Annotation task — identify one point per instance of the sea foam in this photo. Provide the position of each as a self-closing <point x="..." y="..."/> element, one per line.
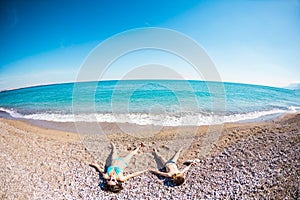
<point x="184" y="119"/>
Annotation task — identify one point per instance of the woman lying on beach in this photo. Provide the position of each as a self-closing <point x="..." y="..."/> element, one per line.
<point x="171" y="168"/>
<point x="114" y="173"/>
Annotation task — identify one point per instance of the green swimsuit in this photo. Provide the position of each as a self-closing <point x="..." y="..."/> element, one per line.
<point x="118" y="170"/>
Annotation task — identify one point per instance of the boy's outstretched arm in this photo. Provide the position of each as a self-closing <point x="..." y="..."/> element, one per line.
<point x="187" y="168"/>
<point x="161" y="173"/>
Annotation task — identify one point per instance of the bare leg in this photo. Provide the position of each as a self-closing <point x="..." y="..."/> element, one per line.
<point x="129" y="156"/>
<point x="176" y="156"/>
<point x="160" y="157"/>
<point x="114" y="151"/>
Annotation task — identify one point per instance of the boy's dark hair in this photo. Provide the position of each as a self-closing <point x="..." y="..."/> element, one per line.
<point x="114" y="188"/>
<point x="178" y="180"/>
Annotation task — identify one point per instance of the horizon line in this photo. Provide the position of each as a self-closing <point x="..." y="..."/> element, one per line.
<point x="61" y="83"/>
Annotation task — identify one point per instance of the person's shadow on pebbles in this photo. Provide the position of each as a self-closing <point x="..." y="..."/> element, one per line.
<point x="102" y="180"/>
<point x="108" y="162"/>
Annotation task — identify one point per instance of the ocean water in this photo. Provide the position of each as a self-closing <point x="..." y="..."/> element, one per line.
<point x="145" y="102"/>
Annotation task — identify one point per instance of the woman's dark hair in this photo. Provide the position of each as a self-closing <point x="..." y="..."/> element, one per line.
<point x="114" y="188"/>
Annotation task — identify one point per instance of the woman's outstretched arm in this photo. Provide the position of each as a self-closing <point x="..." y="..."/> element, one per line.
<point x="125" y="178"/>
<point x="98" y="168"/>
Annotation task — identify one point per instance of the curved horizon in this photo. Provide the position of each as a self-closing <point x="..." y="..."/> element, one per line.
<point x="225" y="82"/>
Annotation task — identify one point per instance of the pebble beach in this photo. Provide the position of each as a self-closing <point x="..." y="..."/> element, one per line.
<point x="258" y="160"/>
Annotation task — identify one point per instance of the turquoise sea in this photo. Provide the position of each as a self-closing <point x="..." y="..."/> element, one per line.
<point x="144" y="102"/>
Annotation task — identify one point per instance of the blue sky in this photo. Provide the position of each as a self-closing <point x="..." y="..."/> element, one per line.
<point x="46" y="41"/>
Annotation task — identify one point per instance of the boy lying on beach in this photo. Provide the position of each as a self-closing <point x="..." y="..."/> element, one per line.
<point x="114" y="173"/>
<point x="171" y="168"/>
